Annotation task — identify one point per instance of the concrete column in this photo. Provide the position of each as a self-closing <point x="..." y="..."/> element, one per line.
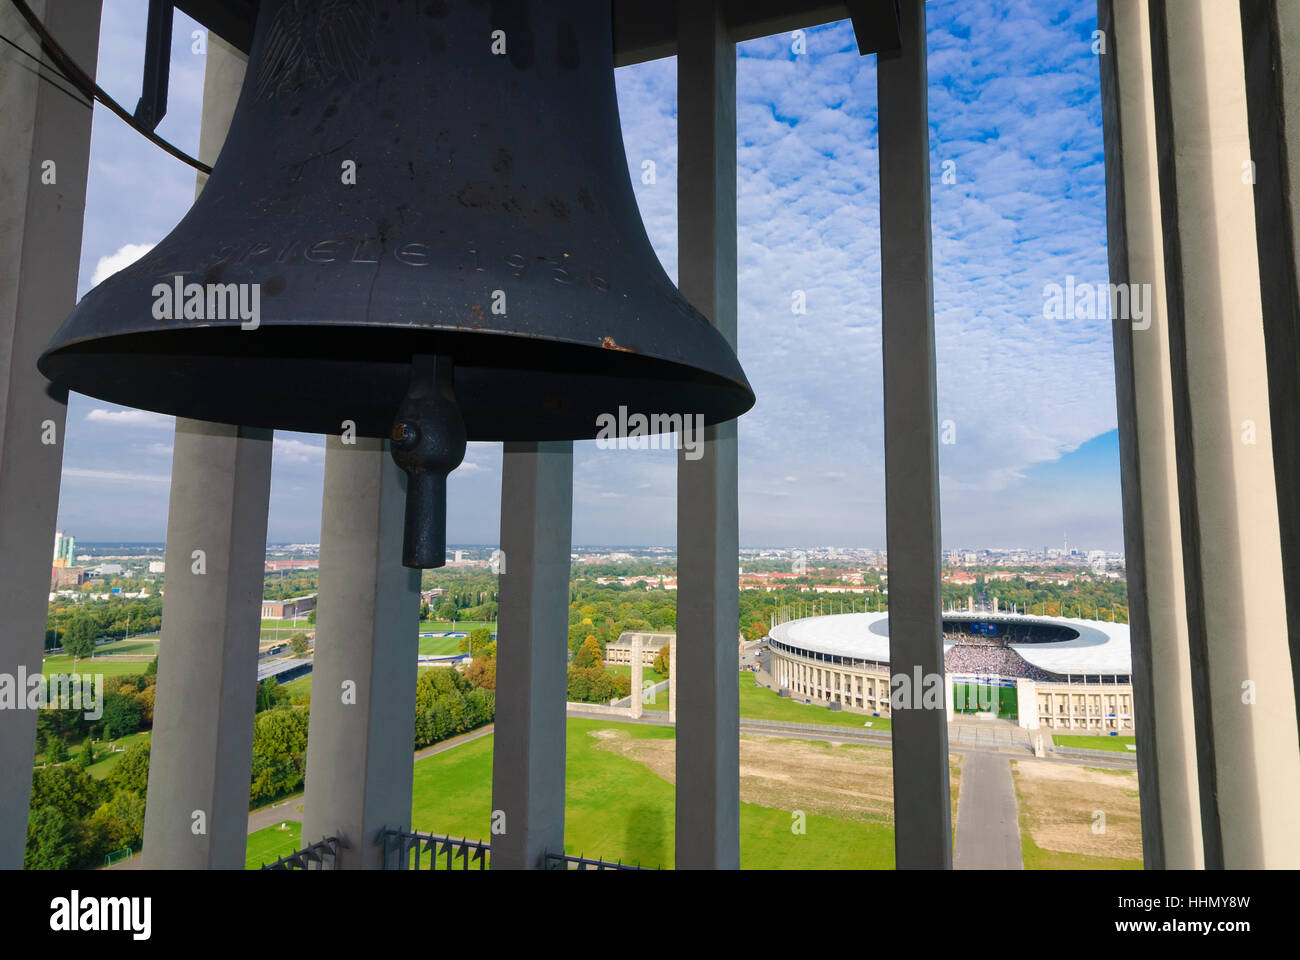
<point x="1245" y="703"/>
<point x="1271" y="36"/>
<point x="637" y="668"/>
<point x="202" y="742"/>
<point x="196" y="815"/>
<point x="1162" y="686"/>
<point x="672" y="680"/>
<point x="361" y="739"/>
<point x="40" y="246"/>
<point x="922" y="818"/>
<point x="532" y="653"/>
<point x="708" y="725"/>
<point x="1027" y="703"/>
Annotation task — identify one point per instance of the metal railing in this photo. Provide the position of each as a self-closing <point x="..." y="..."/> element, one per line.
<point x="561" y="861"/>
<point x="405" y="849"/>
<point x="323" y="853"/>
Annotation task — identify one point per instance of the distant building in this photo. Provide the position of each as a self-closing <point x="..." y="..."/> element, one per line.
<point x="157" y="566"/>
<point x="287" y="609"/>
<point x="64" y="577"/>
<point x="273" y="566"/>
<point x="63" y="547"/>
<point x="620" y="650"/>
<point x="109" y="570"/>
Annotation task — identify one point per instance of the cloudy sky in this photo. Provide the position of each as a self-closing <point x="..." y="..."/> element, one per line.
<point x="1017" y="204"/>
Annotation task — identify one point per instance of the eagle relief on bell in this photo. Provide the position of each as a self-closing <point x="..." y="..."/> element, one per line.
<point x="431" y="206"/>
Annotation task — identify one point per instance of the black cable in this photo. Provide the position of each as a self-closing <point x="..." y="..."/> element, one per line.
<point x="50" y="80"/>
<point x="91" y="90"/>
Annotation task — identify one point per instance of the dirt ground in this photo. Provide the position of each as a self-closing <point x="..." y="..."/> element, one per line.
<point x="829" y="779"/>
<point x="1059" y="804"/>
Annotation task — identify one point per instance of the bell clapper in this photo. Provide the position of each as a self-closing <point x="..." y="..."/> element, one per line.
<point x="428" y="442"/>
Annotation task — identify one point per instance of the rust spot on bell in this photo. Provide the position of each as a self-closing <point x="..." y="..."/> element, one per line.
<point x="609" y="344"/>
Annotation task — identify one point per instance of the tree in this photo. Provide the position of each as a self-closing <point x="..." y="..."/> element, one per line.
<point x="57" y="751"/>
<point x="79" y="638"/>
<point x="121" y="715"/>
<point x="51" y="840"/>
<point x="279" y="753"/>
<point x="119" y="823"/>
<point x="482" y="672"/>
<point x="87" y="755"/>
<point x="68" y="788"/>
<point x="298" y="644"/>
<point x="132" y="771"/>
<point x="311" y="616"/>
<point x="447" y="703"/>
<point x="662" y="659"/>
<point x="479" y="642"/>
<point x="589" y="654"/>
<point x="144" y="701"/>
<point x="270" y="694"/>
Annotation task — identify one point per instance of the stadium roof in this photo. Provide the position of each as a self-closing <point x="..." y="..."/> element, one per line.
<point x="1101" y="647"/>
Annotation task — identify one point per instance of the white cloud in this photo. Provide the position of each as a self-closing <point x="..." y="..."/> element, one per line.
<point x="131" y="418"/>
<point x="291" y="450"/>
<point x="122" y="258"/>
<point x="111" y="476"/>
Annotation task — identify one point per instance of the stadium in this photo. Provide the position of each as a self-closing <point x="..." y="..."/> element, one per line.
<point x="1037" y="671"/>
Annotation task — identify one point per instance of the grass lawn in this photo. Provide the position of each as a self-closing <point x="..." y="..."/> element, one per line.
<point x="131" y="648"/>
<point x="760" y="703"/>
<point x="1117" y="744"/>
<point x="460" y="626"/>
<point x="438" y="646"/>
<point x="284" y="629"/>
<point x="271" y="843"/>
<point x="1057" y="810"/>
<point x="298" y="688"/>
<point x="647" y="675"/>
<point x="109" y="668"/>
<point x="1036" y="858"/>
<point x="104" y="760"/>
<point x="617" y="808"/>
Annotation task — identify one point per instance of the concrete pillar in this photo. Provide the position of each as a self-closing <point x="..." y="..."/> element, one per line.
<point x="1027" y="703"/>
<point x="672" y="680"/>
<point x="40" y="246"/>
<point x="637" y="669"/>
<point x="532" y="653"/>
<point x="1162" y="686"/>
<point x="196" y="815"/>
<point x="361" y="740"/>
<point x="202" y="742"/>
<point x="1271" y="36"/>
<point x="708" y="724"/>
<point x="922" y="818"/>
<point x="1245" y="702"/>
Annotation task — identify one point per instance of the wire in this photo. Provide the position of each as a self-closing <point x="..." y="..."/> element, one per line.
<point x="74" y="75"/>
<point x="85" y="103"/>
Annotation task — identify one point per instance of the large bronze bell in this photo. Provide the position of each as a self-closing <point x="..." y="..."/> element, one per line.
<point x="421" y="224"/>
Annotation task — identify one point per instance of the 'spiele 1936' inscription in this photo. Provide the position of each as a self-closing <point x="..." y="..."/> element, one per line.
<point x="411" y="253"/>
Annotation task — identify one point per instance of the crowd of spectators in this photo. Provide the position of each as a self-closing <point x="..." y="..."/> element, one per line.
<point x="966" y="655"/>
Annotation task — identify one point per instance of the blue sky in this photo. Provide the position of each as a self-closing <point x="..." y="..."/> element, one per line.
<point x="1015" y="119"/>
